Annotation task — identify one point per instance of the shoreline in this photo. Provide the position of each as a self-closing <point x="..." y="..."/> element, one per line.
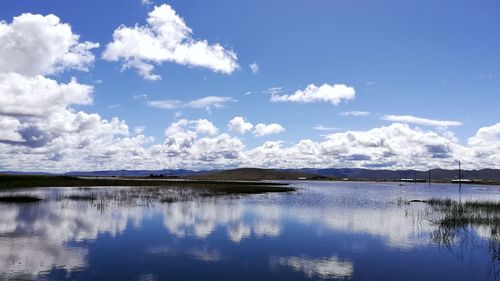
<point x="230" y="187"/>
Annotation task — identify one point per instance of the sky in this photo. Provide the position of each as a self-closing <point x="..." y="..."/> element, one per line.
<point x="137" y="84"/>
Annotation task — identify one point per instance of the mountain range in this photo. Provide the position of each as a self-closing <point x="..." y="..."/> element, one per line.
<point x="289" y="174"/>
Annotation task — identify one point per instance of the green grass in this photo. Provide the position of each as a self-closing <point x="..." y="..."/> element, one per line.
<point x="466" y="213"/>
<point x="236" y="187"/>
<point x="455" y="220"/>
<point x="490" y="206"/>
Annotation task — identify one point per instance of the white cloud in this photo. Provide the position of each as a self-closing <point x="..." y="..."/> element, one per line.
<point x="197" y="144"/>
<point x="26" y="96"/>
<point x="9" y="129"/>
<point x="420" y="121"/>
<point x="247" y="93"/>
<point x="394" y="146"/>
<point x="210" y="101"/>
<point x="206" y="127"/>
<point x="354" y="113"/>
<point x="486" y="136"/>
<point x="207" y="103"/>
<point x="166" y="38"/>
<point x="333" y="94"/>
<point x="273" y="90"/>
<point x="325" y="128"/>
<point x="38" y="123"/>
<point x="239" y="125"/>
<point x="41" y="130"/>
<point x="139" y="130"/>
<point x="135" y="97"/>
<point x="146" y="2"/>
<point x="39" y="117"/>
<point x="36" y="44"/>
<point x="254" y="67"/>
<point x="165" y="104"/>
<point x="486" y="146"/>
<point x="196" y="141"/>
<point x="267" y="129"/>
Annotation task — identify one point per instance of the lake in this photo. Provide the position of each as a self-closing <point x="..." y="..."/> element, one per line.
<point x="324" y="231"/>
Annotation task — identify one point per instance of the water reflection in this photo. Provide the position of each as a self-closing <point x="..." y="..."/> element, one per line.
<point x="30" y="256"/>
<point x="467" y="225"/>
<point x="297" y="232"/>
<point x="324" y="268"/>
<point x="200" y="218"/>
<point x="202" y="254"/>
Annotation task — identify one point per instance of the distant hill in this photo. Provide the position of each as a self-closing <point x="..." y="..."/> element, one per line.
<point x="436" y="174"/>
<point x="24" y="173"/>
<point x="251" y="174"/>
<point x="132" y="173"/>
<point x="291" y="174"/>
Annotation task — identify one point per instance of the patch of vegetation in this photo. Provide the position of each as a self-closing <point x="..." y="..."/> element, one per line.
<point x="459" y="222"/>
<point x="467" y="213"/>
<point x="228" y="187"/>
<point x="86" y="197"/>
<point x="19" y="199"/>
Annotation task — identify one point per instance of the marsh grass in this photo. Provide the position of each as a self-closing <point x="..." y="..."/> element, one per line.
<point x="466" y="213"/>
<point x="19" y="199"/>
<point x="223" y="187"/>
<point x="103" y="198"/>
<point x="464" y="225"/>
<point x="91" y="196"/>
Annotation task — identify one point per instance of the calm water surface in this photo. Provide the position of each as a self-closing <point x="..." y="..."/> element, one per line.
<point x="325" y="231"/>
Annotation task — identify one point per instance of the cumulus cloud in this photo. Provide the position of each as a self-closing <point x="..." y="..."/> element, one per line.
<point x="26" y="96"/>
<point x="196" y="141"/>
<point x="239" y="125"/>
<point x="40" y="129"/>
<point x="85" y="141"/>
<point x="420" y="121"/>
<point x="166" y="38"/>
<point x="354" y="113"/>
<point x="41" y="45"/>
<point x="38" y="124"/>
<point x="254" y="67"/>
<point x="267" y="129"/>
<point x="9" y="129"/>
<point x="36" y="113"/>
<point x="486" y="145"/>
<point x="204" y="126"/>
<point x="333" y="94"/>
<point x="207" y="103"/>
<point x="394" y="146"/>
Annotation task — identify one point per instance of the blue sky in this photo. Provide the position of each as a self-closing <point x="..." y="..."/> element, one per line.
<point x="435" y="60"/>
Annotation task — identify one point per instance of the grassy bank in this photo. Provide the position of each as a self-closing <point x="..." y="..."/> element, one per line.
<point x="237" y="187"/>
